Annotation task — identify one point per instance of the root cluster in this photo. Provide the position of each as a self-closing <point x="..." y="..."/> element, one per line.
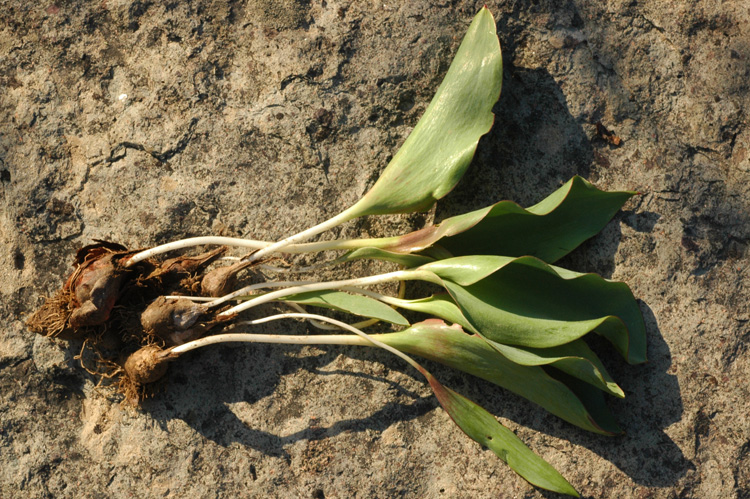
<point x="121" y="313"/>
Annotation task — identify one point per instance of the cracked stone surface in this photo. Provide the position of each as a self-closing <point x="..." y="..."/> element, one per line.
<point x="143" y="122"/>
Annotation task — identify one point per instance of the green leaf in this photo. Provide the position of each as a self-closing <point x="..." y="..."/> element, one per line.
<point x="482" y="427"/>
<point x="451" y="346"/>
<point x="548" y="230"/>
<point x="436" y="154"/>
<point x="440" y="305"/>
<point x="574" y="358"/>
<point x="525" y="302"/>
<point x="591" y="398"/>
<point x="353" y="304"/>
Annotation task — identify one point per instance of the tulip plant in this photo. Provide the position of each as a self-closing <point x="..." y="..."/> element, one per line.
<point x="505" y="313"/>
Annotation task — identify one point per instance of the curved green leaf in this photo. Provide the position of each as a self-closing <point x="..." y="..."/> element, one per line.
<point x="451" y="346"/>
<point x="574" y="358"/>
<point x="590" y="397"/>
<point x="503" y="318"/>
<point x="548" y="230"/>
<point x="525" y="302"/>
<point x="436" y="154"/>
<point x="482" y="427"/>
<point x="440" y="305"/>
<point x="353" y="304"/>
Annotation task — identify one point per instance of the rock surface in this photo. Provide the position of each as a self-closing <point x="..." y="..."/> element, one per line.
<point x="143" y="122"/>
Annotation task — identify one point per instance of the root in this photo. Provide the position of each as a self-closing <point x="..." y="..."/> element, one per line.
<point x="53" y="318"/>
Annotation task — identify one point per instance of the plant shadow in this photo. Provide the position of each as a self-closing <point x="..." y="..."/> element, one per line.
<point x="253" y="375"/>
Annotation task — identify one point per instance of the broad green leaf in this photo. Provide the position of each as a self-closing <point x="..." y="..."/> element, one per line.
<point x="440" y="305"/>
<point x="451" y="346"/>
<point x="482" y="427"/>
<point x="574" y="358"/>
<point x="407" y="260"/>
<point x="525" y="302"/>
<point x="437" y="152"/>
<point x="353" y="304"/>
<point x="548" y="230"/>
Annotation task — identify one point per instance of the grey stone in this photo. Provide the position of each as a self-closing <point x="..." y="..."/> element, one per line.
<point x="144" y="122"/>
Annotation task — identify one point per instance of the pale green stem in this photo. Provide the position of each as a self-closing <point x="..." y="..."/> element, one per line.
<point x="297" y="270"/>
<point x="252" y="287"/>
<point x="342" y="217"/>
<point x="195" y="241"/>
<point x="296" y="306"/>
<point x="327" y="327"/>
<point x="400" y="275"/>
<point x="244" y="243"/>
<point x="317" y="324"/>
<point x="266" y="246"/>
<point x="242" y="293"/>
<point x="308" y="340"/>
<point x="196" y="299"/>
<point x="318" y="339"/>
<point x="342" y="244"/>
<point x="389" y="300"/>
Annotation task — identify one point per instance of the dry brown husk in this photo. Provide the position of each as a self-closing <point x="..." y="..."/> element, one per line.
<point x="88" y="296"/>
<point x="173" y="271"/>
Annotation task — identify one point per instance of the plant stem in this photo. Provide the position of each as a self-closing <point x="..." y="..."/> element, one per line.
<point x="342" y="217"/>
<point x="322" y="339"/>
<point x="195" y="241"/>
<point x="333" y="339"/>
<point x="252" y="287"/>
<point x="399" y="275"/>
<point x="388" y="300"/>
<point x="343" y="244"/>
<point x="264" y="246"/>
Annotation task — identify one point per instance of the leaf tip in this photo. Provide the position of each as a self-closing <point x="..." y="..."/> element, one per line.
<point x="615" y="431"/>
<point x="615" y="390"/>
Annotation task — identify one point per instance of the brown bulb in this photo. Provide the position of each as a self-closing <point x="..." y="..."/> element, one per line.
<point x="176" y="321"/>
<point x="147" y="365"/>
<point x="222" y="280"/>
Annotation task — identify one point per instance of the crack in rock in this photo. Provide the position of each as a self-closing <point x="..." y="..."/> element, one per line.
<point x="120" y="150"/>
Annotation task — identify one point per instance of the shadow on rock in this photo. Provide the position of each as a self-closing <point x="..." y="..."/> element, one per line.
<point x="652" y="403"/>
<point x="203" y="387"/>
<point x="533" y="148"/>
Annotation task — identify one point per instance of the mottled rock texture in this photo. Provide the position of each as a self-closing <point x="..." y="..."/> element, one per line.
<point x="142" y="122"/>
